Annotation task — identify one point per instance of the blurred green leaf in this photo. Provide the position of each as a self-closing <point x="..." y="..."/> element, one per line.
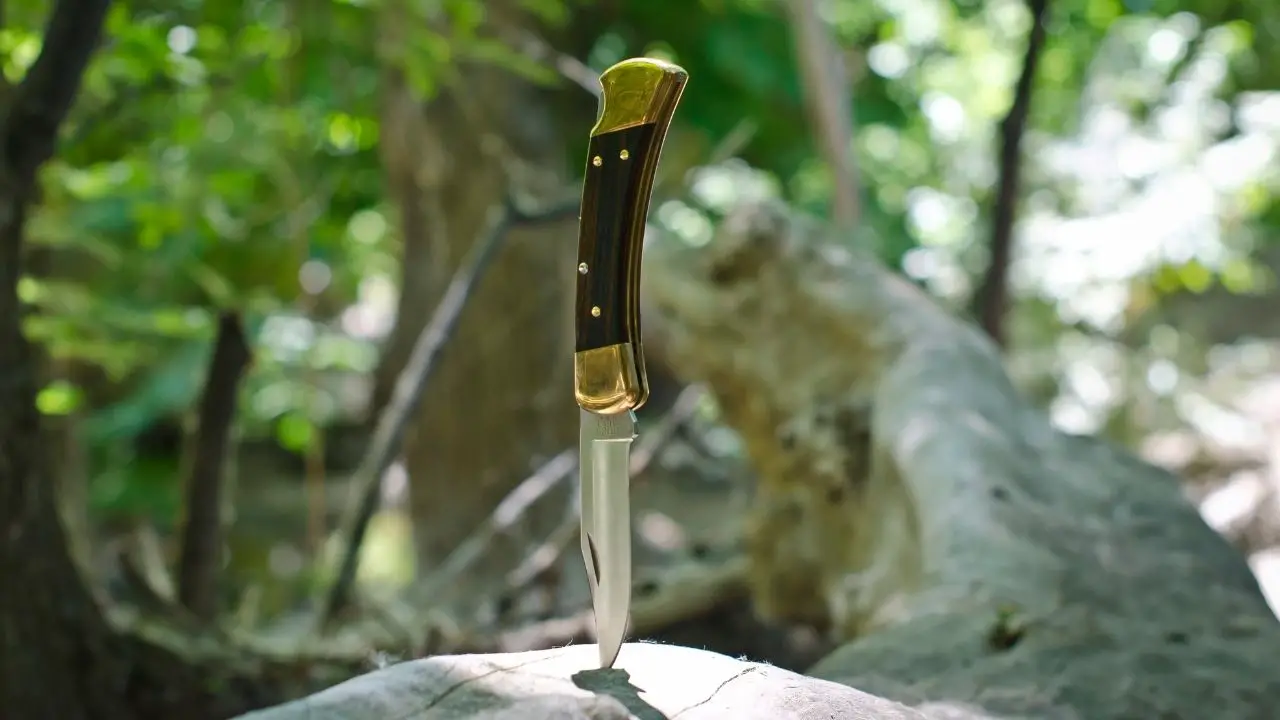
<point x="295" y="432"/>
<point x="59" y="398"/>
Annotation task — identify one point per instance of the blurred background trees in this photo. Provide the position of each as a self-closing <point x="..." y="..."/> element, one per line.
<point x="314" y="172"/>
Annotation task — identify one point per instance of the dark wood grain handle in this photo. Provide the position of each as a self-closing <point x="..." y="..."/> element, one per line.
<point x="615" y="201"/>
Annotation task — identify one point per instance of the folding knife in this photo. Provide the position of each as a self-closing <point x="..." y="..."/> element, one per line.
<point x="638" y="100"/>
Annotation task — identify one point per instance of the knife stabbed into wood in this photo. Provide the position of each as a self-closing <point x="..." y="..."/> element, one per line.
<point x="638" y="100"/>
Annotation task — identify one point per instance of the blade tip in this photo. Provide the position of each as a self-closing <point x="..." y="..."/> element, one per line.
<point x="608" y="655"/>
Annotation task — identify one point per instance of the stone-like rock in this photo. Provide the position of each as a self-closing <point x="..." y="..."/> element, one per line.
<point x="649" y="682"/>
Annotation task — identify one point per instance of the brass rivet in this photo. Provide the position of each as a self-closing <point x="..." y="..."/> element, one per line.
<point x="595" y="311"/>
<point x="597" y="161"/>
<point x="624" y="154"/>
<point x="582" y="268"/>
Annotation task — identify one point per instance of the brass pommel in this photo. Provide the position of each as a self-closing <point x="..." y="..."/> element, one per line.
<point x="606" y="380"/>
<point x="637" y="92"/>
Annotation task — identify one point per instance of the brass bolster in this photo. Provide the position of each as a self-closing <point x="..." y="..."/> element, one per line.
<point x="639" y="91"/>
<point x="606" y="380"/>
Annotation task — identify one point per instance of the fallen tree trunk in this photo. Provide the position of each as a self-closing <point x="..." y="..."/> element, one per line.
<point x="979" y="563"/>
<point x="910" y="500"/>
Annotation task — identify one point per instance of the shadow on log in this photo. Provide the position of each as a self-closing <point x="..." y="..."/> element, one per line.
<point x="910" y="501"/>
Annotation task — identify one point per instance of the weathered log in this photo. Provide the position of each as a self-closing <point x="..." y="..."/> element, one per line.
<point x="912" y="501"/>
<point x="650" y="682"/>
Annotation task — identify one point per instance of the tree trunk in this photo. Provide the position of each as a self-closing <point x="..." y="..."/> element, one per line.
<point x="50" y="630"/>
<point x="60" y="657"/>
<point x="500" y="400"/>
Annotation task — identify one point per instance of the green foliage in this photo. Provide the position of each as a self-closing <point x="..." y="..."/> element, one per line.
<point x="221" y="152"/>
<point x="211" y="155"/>
<point x="215" y="151"/>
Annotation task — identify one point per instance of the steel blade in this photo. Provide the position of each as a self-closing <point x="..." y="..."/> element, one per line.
<point x="606" y="525"/>
<point x="611" y="539"/>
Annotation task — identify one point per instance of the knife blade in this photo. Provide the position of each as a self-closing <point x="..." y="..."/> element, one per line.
<point x="638" y="98"/>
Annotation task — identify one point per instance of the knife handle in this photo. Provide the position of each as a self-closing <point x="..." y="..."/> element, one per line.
<point x="638" y="99"/>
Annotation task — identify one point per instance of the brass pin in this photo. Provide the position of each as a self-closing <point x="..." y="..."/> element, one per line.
<point x="597" y="161"/>
<point x="595" y="311"/>
<point x="624" y="154"/>
<point x="582" y="268"/>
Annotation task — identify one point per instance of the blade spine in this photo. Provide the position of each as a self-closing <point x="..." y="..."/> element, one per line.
<point x="588" y="429"/>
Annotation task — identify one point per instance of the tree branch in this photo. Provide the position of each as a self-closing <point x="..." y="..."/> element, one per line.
<point x="201" y="558"/>
<point x="829" y="100"/>
<point x="389" y="432"/>
<point x="44" y="97"/>
<point x="990" y="300"/>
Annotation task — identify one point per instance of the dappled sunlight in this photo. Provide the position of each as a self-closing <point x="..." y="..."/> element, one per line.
<point x="388" y="551"/>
